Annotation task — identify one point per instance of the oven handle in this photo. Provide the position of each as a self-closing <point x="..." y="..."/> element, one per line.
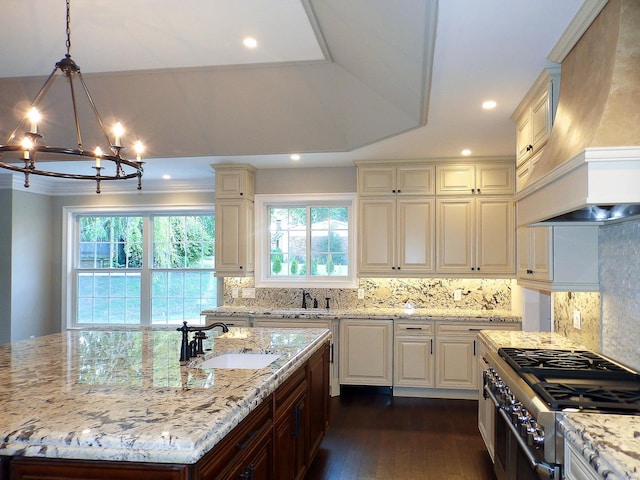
<point x="547" y="471"/>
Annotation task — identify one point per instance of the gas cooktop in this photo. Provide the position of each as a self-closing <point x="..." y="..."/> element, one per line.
<point x="576" y="379"/>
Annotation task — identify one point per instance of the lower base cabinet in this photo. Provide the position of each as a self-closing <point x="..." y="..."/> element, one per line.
<point x="277" y="441"/>
<point x="366" y="352"/>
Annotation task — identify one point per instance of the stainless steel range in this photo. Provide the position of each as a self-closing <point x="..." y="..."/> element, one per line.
<point x="530" y="387"/>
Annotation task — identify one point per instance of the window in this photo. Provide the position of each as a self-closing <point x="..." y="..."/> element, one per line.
<point x="152" y="268"/>
<point x="305" y="239"/>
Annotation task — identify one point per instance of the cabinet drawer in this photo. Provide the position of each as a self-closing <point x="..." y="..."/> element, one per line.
<point x="414" y="328"/>
<point x="289" y="391"/>
<point x="254" y="429"/>
<point x="473" y="328"/>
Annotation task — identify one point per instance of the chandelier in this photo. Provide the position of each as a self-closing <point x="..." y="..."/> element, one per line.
<point x="21" y="154"/>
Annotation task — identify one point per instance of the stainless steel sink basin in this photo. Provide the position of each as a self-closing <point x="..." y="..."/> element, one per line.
<point x="241" y="360"/>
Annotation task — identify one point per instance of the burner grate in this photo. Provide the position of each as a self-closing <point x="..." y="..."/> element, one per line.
<point x="590" y="397"/>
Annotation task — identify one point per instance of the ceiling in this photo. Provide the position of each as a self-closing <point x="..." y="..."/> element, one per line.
<point x="332" y="80"/>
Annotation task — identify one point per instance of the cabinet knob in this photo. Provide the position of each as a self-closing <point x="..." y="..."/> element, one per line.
<point x="241" y="194"/>
<point x="393" y="191"/>
<point x="399" y="191"/>
<point x="240" y="267"/>
<point x="479" y="191"/>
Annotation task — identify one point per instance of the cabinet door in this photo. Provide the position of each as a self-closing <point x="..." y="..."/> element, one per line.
<point x="415" y="235"/>
<point x="378" y="180"/>
<point x="540" y="120"/>
<point x="486" y="408"/>
<point x="234" y="183"/>
<point x="459" y="179"/>
<point x="413" y="180"/>
<point x="318" y="399"/>
<point x="234" y="237"/>
<point x="366" y="352"/>
<point x="413" y="361"/>
<point x="257" y="466"/>
<point x="289" y="435"/>
<point x="456" y="365"/>
<point x="495" y="178"/>
<point x="524" y="143"/>
<point x="377" y="219"/>
<point x="495" y="236"/>
<point x="541" y="252"/>
<point x="456" y="239"/>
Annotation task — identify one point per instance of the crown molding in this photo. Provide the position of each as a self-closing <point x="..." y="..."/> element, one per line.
<point x="585" y="16"/>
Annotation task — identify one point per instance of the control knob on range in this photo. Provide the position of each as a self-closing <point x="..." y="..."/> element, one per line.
<point x="535" y="437"/>
<point x="524" y="420"/>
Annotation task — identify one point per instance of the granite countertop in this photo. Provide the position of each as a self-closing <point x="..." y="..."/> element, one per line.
<point x="519" y="339"/>
<point x="609" y="443"/>
<point x="124" y="396"/>
<point x="453" y="315"/>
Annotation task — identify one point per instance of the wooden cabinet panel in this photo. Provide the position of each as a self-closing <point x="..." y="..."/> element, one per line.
<point x="476" y="236"/>
<point x="413" y="364"/>
<point x="456" y="364"/>
<point x="234" y="237"/>
<point x="410" y="179"/>
<point x="377" y="218"/>
<point x="366" y="352"/>
<point x="235" y="181"/>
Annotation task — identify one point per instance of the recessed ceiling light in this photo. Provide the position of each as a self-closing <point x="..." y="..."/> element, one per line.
<point x="295" y="156"/>
<point x="489" y="104"/>
<point x="250" y="42"/>
<point x="166" y="176"/>
<point x="466" y="152"/>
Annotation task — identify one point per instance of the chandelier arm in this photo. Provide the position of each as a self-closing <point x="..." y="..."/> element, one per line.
<point x="35" y="102"/>
<point x="75" y="111"/>
<point x="95" y="110"/>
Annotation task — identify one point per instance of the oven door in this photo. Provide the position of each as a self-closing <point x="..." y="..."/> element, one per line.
<point x="513" y="460"/>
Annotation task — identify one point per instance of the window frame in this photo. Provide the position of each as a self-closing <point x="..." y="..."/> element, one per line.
<point x="70" y="240"/>
<point x="263" y="251"/>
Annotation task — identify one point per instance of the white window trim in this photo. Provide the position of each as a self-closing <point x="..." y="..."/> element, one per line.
<point x="262" y="202"/>
<point x="69" y="230"/>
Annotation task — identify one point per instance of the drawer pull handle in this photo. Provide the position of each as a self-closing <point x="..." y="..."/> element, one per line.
<point x="414" y="328"/>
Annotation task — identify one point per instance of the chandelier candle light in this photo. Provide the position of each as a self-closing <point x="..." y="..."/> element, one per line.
<point x="31" y="149"/>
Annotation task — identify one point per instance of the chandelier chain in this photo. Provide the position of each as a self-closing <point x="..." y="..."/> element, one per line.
<point x="68" y="27"/>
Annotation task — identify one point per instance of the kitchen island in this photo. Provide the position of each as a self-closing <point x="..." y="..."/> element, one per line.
<point x="121" y="397"/>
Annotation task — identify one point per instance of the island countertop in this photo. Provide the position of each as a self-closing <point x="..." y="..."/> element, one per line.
<point x="122" y="395"/>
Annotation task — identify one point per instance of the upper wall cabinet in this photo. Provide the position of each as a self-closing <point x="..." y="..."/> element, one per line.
<point x="235" y="181"/>
<point x="396" y="179"/>
<point x="234" y="220"/>
<point x="484" y="178"/>
<point x="534" y="119"/>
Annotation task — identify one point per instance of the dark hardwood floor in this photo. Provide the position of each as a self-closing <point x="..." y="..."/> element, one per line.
<point x="377" y="436"/>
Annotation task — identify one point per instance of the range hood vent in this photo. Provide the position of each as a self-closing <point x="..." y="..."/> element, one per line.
<point x="590" y="168"/>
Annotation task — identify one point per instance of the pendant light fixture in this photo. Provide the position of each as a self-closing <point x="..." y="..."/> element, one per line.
<point x="30" y="155"/>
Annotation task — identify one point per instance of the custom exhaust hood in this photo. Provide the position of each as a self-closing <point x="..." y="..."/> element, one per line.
<point x="590" y="168"/>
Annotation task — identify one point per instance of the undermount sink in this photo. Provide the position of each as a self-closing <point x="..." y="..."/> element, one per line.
<point x="241" y="360"/>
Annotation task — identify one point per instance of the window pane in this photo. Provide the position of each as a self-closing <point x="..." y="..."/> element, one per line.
<point x="180" y="296"/>
<point x="108" y="297"/>
<point x="183" y="241"/>
<point x="110" y="242"/>
<point x="330" y="241"/>
<point x="288" y="240"/>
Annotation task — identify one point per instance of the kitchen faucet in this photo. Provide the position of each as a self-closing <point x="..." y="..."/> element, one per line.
<point x="305" y="294"/>
<point x="192" y="348"/>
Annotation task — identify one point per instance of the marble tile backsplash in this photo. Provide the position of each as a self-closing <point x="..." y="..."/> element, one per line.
<point x="620" y="287"/>
<point x="588" y="303"/>
<point x="436" y="293"/>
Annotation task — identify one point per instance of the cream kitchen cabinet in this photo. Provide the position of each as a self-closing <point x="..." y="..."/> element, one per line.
<point x="483" y="178"/>
<point x="560" y="258"/>
<point x="457" y="347"/>
<point x="575" y="465"/>
<point x="475" y="236"/>
<point x="534" y="118"/>
<point x="535" y="250"/>
<point x="366" y="352"/>
<point x="235" y="181"/>
<point x="486" y="407"/>
<point x="234" y="237"/>
<point x="396" y="236"/>
<point x="413" y="354"/>
<point x="395" y="179"/>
